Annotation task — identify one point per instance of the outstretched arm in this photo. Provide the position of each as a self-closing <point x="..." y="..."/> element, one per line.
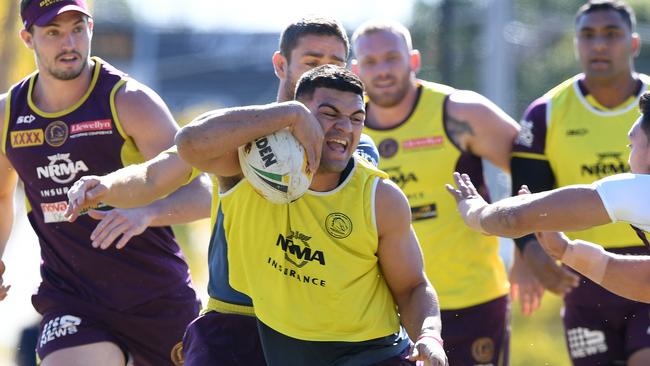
<point x="401" y="263"/>
<point x="189" y="203"/>
<point x="570" y="208"/>
<point x="132" y="186"/>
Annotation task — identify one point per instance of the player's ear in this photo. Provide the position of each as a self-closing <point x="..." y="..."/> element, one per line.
<point x="27" y="38"/>
<point x="415" y="61"/>
<point x="355" y="66"/>
<point x="636" y="44"/>
<point x="280" y="65"/>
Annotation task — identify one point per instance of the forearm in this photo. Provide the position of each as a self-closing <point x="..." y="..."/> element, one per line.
<point x="219" y="133"/>
<point x="141" y="184"/>
<point x="420" y="312"/>
<point x="625" y="275"/>
<point x="189" y="203"/>
<point x="571" y="208"/>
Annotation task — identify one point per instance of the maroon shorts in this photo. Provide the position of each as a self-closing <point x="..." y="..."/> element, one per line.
<point x="223" y="339"/>
<point x="602" y="328"/>
<point x="478" y="334"/>
<point x="150" y="333"/>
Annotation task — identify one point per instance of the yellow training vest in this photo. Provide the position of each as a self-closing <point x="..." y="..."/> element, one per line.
<point x="463" y="266"/>
<point x="585" y="141"/>
<point x="310" y="266"/>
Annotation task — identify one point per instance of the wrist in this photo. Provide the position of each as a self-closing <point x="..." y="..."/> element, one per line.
<point x="433" y="336"/>
<point x="589" y="259"/>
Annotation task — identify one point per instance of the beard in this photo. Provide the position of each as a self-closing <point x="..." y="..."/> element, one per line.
<point x="69" y="74"/>
<point x="390" y="99"/>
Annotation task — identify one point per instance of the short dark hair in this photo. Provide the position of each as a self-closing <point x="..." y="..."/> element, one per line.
<point x="644" y="108"/>
<point x="23" y="5"/>
<point x="328" y="76"/>
<point x="618" y="6"/>
<point x="314" y="26"/>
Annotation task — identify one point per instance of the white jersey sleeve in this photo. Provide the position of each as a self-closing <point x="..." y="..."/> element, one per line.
<point x="626" y="198"/>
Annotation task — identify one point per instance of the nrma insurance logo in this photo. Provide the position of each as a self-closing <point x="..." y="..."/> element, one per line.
<point x="297" y="250"/>
<point x="606" y="165"/>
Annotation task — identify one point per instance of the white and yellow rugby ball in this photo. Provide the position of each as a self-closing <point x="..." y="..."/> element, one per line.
<point x="276" y="167"/>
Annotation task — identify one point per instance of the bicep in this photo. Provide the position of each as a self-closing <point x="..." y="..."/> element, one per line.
<point x="491" y="130"/>
<point x="400" y="257"/>
<point x="145" y="118"/>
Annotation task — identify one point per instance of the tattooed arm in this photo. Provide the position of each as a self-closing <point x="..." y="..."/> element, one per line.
<point x="477" y="125"/>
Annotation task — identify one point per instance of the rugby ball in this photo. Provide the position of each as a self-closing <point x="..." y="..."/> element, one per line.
<point x="276" y="166"/>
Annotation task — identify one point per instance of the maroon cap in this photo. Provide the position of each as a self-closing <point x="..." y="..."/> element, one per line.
<point x="42" y="12"/>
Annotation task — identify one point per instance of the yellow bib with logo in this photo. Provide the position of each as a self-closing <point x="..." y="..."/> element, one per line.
<point x="463" y="265"/>
<point x="311" y="266"/>
<point x="586" y="141"/>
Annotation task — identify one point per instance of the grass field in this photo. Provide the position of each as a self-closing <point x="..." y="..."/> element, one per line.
<point x="538" y="340"/>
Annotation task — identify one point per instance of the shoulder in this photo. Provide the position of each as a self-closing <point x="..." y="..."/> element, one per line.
<point x="391" y="205"/>
<point x="465" y="104"/>
<point x="133" y="94"/>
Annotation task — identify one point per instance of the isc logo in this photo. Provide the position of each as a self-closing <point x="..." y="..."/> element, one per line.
<point x="25" y="119"/>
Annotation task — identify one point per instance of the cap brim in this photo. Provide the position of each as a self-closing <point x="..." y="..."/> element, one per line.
<point x="48" y="17"/>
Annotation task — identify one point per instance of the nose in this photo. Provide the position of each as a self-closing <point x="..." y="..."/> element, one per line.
<point x="344" y="124"/>
<point x="599" y="43"/>
<point x="69" y="42"/>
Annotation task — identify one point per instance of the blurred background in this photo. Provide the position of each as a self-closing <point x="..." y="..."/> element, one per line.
<point x="203" y="54"/>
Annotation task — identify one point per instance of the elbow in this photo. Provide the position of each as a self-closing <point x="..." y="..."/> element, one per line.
<point x="183" y="141"/>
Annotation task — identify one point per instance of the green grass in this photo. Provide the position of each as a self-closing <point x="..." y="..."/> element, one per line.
<point x="538" y="340"/>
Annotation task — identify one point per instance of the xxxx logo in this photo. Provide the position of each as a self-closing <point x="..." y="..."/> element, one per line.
<point x="27" y="138"/>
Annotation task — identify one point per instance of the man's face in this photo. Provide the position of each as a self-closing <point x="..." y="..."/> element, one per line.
<point x="605" y="44"/>
<point x="384" y="66"/>
<point x="639" y="159"/>
<point x="312" y="51"/>
<point x="341" y="115"/>
<point x="61" y="47"/>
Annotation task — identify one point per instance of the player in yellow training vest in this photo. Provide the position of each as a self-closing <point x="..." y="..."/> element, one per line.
<point x="324" y="293"/>
<point x="424" y="132"/>
<point x="576" y="134"/>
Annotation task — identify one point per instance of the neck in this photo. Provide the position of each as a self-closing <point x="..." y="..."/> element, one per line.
<point x="325" y="181"/>
<point x="387" y="117"/>
<point x="281" y="97"/>
<point x="612" y="92"/>
<point x="52" y="95"/>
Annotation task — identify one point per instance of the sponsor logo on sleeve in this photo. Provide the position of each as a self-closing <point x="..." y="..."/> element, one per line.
<point x="91" y="128"/>
<point x="56" y="133"/>
<point x="26" y="138"/>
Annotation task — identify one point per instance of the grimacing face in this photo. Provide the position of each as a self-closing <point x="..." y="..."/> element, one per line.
<point x="384" y="63"/>
<point x="639" y="158"/>
<point x="605" y="44"/>
<point x="62" y="47"/>
<point x="341" y="115"/>
<point x="312" y="51"/>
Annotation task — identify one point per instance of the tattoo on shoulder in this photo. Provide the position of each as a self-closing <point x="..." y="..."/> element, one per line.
<point x="458" y="131"/>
